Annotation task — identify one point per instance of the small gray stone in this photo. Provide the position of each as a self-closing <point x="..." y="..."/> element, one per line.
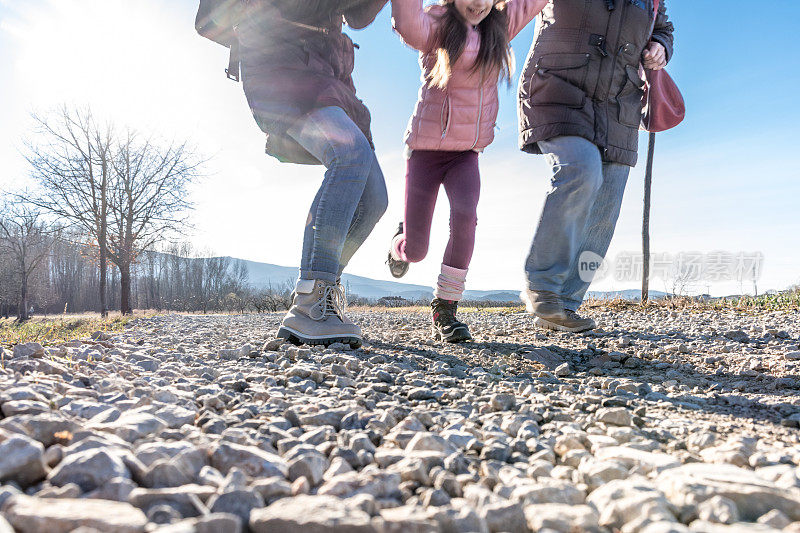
<point x="89" y="469"/>
<point x="420" y="394"/>
<point x="251" y="460"/>
<point x="118" y="489"/>
<point x="24" y="407"/>
<point x="218" y="523"/>
<point x="719" y="509"/>
<point x="502" y="402"/>
<point x="165" y="473"/>
<point x="754" y="496"/>
<point x="186" y="500"/>
<point x="429" y="442"/>
<point x="163" y="514"/>
<point x="30" y="515"/>
<point x="617" y="416"/>
<point x="304" y="514"/>
<point x="378" y="484"/>
<point x="312" y="466"/>
<point x="504" y="516"/>
<point x="44" y="427"/>
<point x="562" y="370"/>
<point x="21" y="459"/>
<point x="272" y="488"/>
<point x="176" y="416"/>
<point x="561" y="518"/>
<point x="28" y="349"/>
<point x="775" y="519"/>
<point x="237" y="502"/>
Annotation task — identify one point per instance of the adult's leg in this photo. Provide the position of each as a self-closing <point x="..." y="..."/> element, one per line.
<point x="369" y="211"/>
<point x="332" y="137"/>
<point x="424" y="175"/>
<point x="577" y="175"/>
<point x="599" y="230"/>
<point x="462" y="184"/>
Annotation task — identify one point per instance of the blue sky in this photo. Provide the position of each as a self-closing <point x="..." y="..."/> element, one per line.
<point x="727" y="179"/>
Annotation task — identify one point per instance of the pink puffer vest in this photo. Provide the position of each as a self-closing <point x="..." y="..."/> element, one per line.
<point x="461" y="116"/>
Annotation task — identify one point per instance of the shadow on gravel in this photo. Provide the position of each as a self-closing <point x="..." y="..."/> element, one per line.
<point x="528" y="359"/>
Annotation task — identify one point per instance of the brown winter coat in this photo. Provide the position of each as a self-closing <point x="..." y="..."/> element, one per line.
<point x="582" y="77"/>
<point x="295" y="58"/>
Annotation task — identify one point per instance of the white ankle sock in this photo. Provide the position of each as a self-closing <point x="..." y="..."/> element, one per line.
<point x="451" y="283"/>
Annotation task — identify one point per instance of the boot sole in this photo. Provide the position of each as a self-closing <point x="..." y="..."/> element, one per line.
<point x="400" y="273"/>
<point x="546" y="324"/>
<point x="457" y="335"/>
<point x="298" y="338"/>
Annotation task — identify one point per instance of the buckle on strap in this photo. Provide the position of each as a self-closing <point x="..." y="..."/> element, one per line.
<point x="599" y="42"/>
<point x="233" y="62"/>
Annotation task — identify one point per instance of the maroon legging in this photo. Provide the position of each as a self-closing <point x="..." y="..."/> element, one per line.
<point x="426" y="172"/>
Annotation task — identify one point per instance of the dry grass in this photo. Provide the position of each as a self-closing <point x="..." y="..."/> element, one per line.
<point x="58" y="329"/>
<point x="785" y="301"/>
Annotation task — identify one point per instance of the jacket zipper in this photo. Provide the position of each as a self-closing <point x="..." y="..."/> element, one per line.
<point x="444" y="120"/>
<point x="480" y="115"/>
<point x="623" y="17"/>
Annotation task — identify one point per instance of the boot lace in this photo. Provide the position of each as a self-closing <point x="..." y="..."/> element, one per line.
<point x="332" y="302"/>
<point x="444" y="313"/>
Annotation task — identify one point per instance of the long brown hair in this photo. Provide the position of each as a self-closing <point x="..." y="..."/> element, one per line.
<point x="451" y="39"/>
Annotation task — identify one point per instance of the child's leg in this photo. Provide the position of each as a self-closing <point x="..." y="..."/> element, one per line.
<point x="462" y="183"/>
<point x="423" y="177"/>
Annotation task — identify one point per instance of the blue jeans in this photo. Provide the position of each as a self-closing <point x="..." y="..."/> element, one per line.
<point x="579" y="215"/>
<point x="352" y="197"/>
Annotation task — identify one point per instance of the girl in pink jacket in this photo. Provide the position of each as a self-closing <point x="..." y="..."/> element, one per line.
<point x="464" y="52"/>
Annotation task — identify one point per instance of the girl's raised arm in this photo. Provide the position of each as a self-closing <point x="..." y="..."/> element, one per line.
<point x="520" y="13"/>
<point x="413" y="23"/>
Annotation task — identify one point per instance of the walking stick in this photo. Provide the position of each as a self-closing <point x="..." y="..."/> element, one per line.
<point x="648" y="179"/>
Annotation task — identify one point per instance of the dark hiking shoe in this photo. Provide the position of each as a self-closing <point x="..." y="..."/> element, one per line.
<point x="544" y="304"/>
<point x="572" y="322"/>
<point x="445" y="325"/>
<point x="317" y="316"/>
<point x="397" y="267"/>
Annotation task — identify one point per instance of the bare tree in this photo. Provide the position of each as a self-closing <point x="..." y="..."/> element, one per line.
<point x="72" y="165"/>
<point x="24" y="237"/>
<point x="148" y="198"/>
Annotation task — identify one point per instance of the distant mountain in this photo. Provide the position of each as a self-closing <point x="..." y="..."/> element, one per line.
<point x="264" y="275"/>
<point x="628" y="294"/>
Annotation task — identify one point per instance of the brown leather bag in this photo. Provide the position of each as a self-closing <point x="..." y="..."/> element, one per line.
<point x="664" y="107"/>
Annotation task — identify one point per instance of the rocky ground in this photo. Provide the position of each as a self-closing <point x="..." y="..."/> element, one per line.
<point x="664" y="421"/>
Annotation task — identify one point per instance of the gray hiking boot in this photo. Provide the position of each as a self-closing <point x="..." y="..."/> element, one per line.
<point x="572" y="322"/>
<point x="317" y="316"/>
<point x="550" y="313"/>
<point x="544" y="304"/>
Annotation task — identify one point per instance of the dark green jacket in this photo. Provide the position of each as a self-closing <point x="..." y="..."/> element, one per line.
<point x="581" y="76"/>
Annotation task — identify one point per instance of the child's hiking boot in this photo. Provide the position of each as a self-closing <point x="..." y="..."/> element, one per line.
<point x="445" y="325"/>
<point x="550" y="313"/>
<point x="317" y="316"/>
<point x="397" y="267"/>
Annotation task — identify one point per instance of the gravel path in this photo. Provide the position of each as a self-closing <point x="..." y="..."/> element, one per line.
<point x="660" y="422"/>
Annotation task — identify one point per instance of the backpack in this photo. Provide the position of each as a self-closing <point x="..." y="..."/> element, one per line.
<point x="216" y="20"/>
